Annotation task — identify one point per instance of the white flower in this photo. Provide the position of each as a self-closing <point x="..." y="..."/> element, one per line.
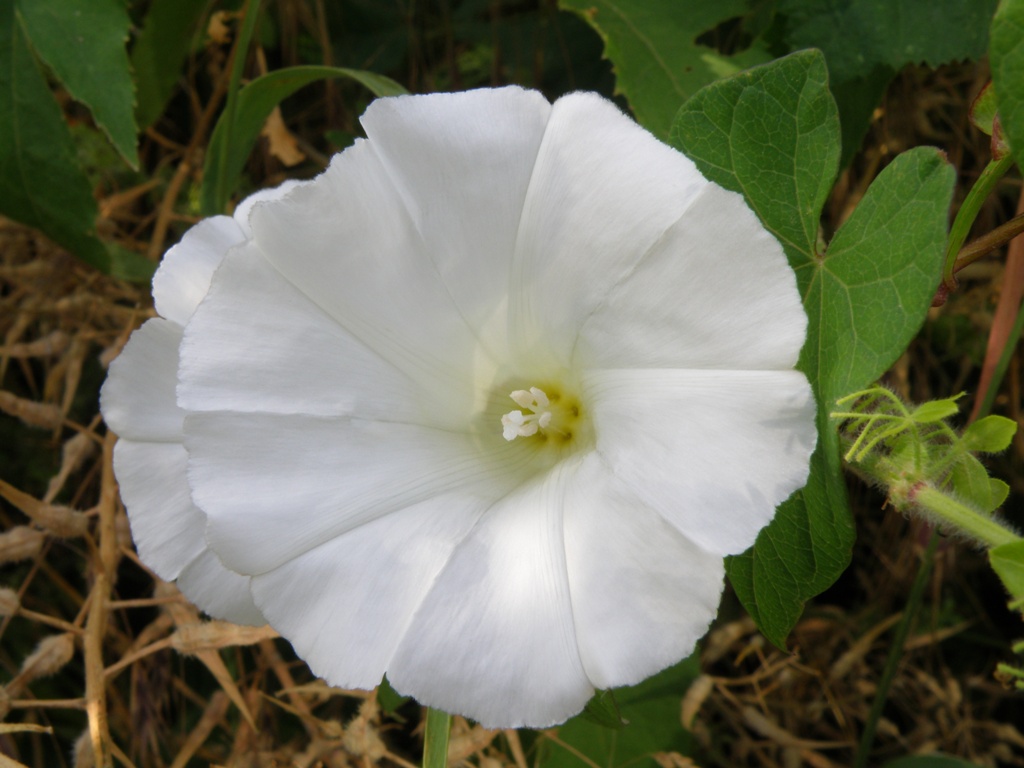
<point x="482" y="406"/>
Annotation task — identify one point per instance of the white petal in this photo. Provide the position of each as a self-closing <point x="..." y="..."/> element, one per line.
<point x="642" y="593"/>
<point x="184" y="275"/>
<point x="219" y="592"/>
<point x="462" y="163"/>
<point x="260" y="344"/>
<point x="714" y="452"/>
<point x="275" y="486"/>
<point x="137" y="399"/>
<point x="166" y="526"/>
<point x="347" y="242"/>
<point x="714" y="292"/>
<point x="603" y="191"/>
<point x="346" y="604"/>
<point x="244" y="208"/>
<point x="494" y="638"/>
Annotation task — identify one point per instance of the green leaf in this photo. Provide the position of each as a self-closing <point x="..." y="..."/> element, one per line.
<point x="1008" y="562"/>
<point x="866" y="42"/>
<point x="1006" y="56"/>
<point x="436" y="733"/>
<point x="41" y="181"/>
<point x="772" y="133"/>
<point x="388" y="698"/>
<point x="653" y="46"/>
<point x="935" y="410"/>
<point x="255" y="102"/>
<point x="983" y="110"/>
<point x="991" y="434"/>
<point x="972" y="484"/>
<point x="603" y="709"/>
<point x="650" y="712"/>
<point x="83" y="42"/>
<point x="857" y="36"/>
<point x="876" y="282"/>
<point x="159" y="52"/>
<point x="129" y="265"/>
<point x="804" y="549"/>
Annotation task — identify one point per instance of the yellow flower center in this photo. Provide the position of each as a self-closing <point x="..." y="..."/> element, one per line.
<point x="546" y="416"/>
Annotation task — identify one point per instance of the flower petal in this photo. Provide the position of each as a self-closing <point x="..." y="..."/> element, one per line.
<point x="137" y="399"/>
<point x="219" y="592"/>
<point x="494" y="638"/>
<point x="244" y="209"/>
<point x="603" y="191"/>
<point x="714" y="292"/>
<point x="346" y="604"/>
<point x="166" y="526"/>
<point x="184" y="275"/>
<point x="261" y="345"/>
<point x="346" y="241"/>
<point x="701" y="446"/>
<point x="276" y="486"/>
<point x="642" y="593"/>
<point x="462" y="163"/>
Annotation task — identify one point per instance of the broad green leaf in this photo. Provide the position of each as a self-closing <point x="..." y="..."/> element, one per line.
<point x="83" y="42"/>
<point x="1008" y="562"/>
<point x="159" y="52"/>
<point x="873" y="286"/>
<point x="657" y="59"/>
<point x="232" y="144"/>
<point x="991" y="434"/>
<point x="857" y="36"/>
<point x="41" y="181"/>
<point x="1006" y="55"/>
<point x="650" y="712"/>
<point x="866" y="42"/>
<point x="772" y="133"/>
<point x="804" y="549"/>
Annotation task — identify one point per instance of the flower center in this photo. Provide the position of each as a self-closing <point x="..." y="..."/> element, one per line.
<point x="546" y="416"/>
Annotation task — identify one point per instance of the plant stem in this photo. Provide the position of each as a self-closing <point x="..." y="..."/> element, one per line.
<point x="968" y="212"/>
<point x="987" y="243"/>
<point x="892" y="662"/>
<point x="219" y="197"/>
<point x="435" y="738"/>
<point x="940" y="506"/>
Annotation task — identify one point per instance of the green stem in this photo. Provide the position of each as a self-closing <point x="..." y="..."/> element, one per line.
<point x="892" y="662"/>
<point x="939" y="506"/>
<point x="435" y="738"/>
<point x="988" y="242"/>
<point x="218" y="200"/>
<point x="968" y="212"/>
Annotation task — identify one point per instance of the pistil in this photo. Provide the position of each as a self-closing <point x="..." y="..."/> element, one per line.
<point x="553" y="419"/>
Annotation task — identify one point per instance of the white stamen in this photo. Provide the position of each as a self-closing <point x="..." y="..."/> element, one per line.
<point x="518" y="424"/>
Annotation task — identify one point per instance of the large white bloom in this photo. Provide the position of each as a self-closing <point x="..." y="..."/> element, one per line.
<point x="482" y="406"/>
